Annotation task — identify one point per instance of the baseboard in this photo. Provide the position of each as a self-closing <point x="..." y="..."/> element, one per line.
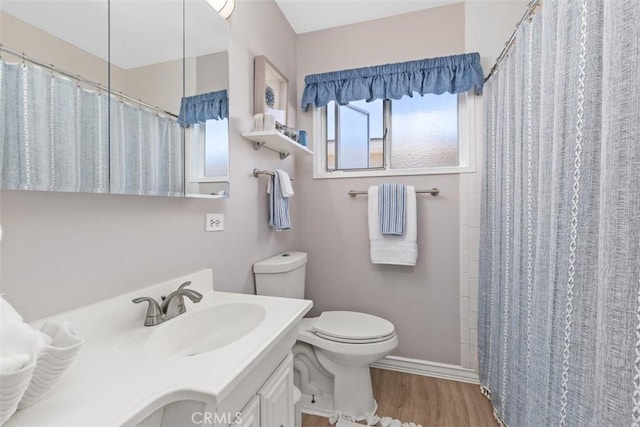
<point x="428" y="369"/>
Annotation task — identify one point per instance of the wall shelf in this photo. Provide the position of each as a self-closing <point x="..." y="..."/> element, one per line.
<point x="278" y="142"/>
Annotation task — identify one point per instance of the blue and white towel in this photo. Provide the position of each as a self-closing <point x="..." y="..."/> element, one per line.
<point x="392" y="203"/>
<point x="278" y="205"/>
<point x="393" y="249"/>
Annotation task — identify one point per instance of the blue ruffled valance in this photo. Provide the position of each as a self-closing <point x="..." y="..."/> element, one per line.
<point x="203" y="107"/>
<point x="453" y="74"/>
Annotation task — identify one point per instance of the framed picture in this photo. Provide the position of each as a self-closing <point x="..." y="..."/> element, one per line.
<point x="270" y="90"/>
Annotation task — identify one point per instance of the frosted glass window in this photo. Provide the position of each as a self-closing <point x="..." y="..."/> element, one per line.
<point x="415" y="133"/>
<point x="216" y="149"/>
<point x="424" y="132"/>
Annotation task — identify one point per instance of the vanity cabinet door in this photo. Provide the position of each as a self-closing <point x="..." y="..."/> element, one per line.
<point x="250" y="416"/>
<point x="276" y="397"/>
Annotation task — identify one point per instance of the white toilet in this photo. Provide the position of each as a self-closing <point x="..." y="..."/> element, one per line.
<point x="344" y="343"/>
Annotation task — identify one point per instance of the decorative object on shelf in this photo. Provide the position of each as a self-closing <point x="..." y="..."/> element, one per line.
<point x="258" y="122"/>
<point x="263" y="122"/>
<point x="302" y="137"/>
<point x="269" y="122"/>
<point x="270" y="90"/>
<point x="290" y="133"/>
<point x="269" y="96"/>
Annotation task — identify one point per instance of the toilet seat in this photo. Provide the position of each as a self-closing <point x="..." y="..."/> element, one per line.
<point x="351" y="327"/>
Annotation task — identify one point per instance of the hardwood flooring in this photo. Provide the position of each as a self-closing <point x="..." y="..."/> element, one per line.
<point x="431" y="402"/>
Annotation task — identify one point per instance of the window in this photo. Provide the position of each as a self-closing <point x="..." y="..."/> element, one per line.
<point x="409" y="136"/>
<point x="210" y="152"/>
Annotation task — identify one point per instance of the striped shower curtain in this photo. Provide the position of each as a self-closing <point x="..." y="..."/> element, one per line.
<point x="559" y="297"/>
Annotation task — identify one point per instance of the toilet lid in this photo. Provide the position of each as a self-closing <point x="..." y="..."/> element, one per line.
<point x="352" y="327"/>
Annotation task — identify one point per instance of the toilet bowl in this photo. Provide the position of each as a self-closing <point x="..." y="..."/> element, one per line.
<point x="344" y="343"/>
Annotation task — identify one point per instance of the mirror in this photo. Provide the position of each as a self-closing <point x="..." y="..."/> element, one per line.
<point x="207" y="75"/>
<point x="89" y="125"/>
<point x="54" y="102"/>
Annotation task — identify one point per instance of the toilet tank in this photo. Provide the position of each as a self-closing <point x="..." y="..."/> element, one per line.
<point x="282" y="275"/>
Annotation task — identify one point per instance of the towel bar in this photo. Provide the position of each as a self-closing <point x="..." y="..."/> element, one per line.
<point x="433" y="192"/>
<point x="257" y="172"/>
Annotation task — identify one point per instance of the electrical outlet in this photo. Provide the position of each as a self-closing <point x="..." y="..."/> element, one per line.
<point x="214" y="222"/>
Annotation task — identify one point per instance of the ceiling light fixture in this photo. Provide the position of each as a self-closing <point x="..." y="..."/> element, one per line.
<point x="224" y="7"/>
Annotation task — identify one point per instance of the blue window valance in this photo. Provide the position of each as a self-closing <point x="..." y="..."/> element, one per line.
<point x="453" y="74"/>
<point x="203" y="107"/>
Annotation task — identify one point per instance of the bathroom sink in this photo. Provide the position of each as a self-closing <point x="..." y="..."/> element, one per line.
<point x="205" y="330"/>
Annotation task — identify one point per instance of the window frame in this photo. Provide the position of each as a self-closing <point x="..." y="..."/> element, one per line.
<point x="195" y="155"/>
<point x="466" y="147"/>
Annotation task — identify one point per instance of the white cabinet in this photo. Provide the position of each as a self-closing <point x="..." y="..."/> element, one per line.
<point x="270" y="403"/>
<point x="276" y="397"/>
<point x="250" y="415"/>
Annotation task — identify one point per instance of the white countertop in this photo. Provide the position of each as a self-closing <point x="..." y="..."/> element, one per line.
<point x="114" y="381"/>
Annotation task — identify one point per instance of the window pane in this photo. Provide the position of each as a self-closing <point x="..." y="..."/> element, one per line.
<point x="424" y="131"/>
<point x="359" y="145"/>
<point x="216" y="149"/>
<point x="353" y="145"/>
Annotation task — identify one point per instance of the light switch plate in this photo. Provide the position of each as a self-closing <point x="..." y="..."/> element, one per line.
<point x="214" y="222"/>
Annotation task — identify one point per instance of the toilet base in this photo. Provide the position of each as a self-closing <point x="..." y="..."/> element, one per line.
<point x="352" y="390"/>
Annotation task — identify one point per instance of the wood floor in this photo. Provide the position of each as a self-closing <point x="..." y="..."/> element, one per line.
<point x="431" y="402"/>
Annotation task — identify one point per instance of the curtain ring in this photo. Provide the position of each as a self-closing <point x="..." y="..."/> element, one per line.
<point x="24" y="59"/>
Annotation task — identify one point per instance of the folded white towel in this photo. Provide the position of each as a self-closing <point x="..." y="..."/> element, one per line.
<point x="285" y="183"/>
<point x="13" y="362"/>
<point x="17" y="339"/>
<point x="390" y="249"/>
<point x="62" y="334"/>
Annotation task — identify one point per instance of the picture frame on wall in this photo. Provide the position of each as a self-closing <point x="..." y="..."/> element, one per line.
<point x="270" y="90"/>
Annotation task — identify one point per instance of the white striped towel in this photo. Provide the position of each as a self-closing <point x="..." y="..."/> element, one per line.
<point x="285" y="183"/>
<point x="392" y="202"/>
<point x="278" y="206"/>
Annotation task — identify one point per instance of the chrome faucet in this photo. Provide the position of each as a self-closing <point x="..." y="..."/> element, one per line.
<point x="172" y="305"/>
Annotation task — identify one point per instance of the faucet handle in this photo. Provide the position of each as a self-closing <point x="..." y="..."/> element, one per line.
<point x="154" y="314"/>
<point x="184" y="285"/>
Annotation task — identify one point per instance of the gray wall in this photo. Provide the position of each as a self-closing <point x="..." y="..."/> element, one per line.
<point x="421" y="301"/>
<point x="65" y="250"/>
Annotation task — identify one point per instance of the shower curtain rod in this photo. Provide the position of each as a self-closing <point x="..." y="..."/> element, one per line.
<point x="81" y="79"/>
<point x="532" y="9"/>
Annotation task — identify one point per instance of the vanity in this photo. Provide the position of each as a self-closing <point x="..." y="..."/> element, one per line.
<point x="226" y="361"/>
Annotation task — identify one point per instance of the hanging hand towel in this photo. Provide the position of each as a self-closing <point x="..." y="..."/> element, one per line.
<point x="393" y="249"/>
<point x="285" y="183"/>
<point x="392" y="201"/>
<point x="278" y="205"/>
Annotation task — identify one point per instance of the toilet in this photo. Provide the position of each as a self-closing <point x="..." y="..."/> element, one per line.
<point x="334" y="350"/>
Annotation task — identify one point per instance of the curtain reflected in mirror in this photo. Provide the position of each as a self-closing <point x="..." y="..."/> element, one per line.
<point x="72" y="121"/>
<point x="54" y="100"/>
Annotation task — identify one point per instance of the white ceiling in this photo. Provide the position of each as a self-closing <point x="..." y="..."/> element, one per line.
<point x="312" y="15"/>
<point x="143" y="32"/>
